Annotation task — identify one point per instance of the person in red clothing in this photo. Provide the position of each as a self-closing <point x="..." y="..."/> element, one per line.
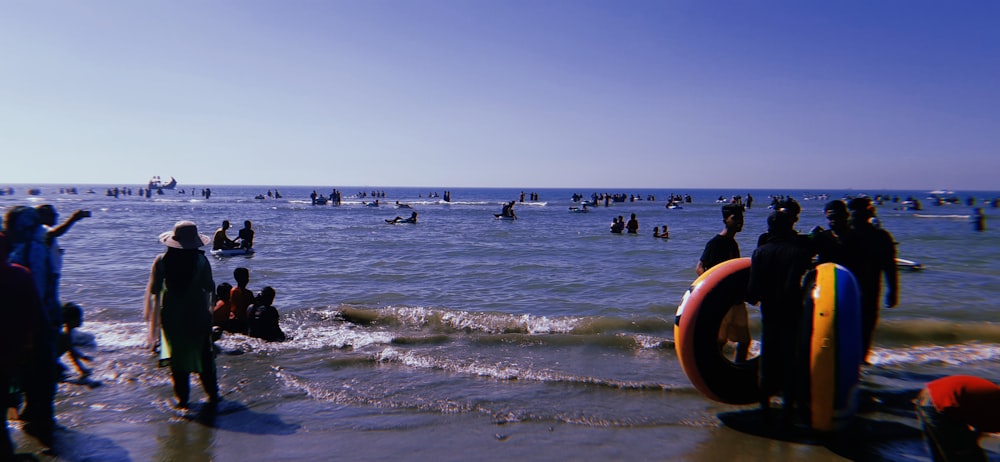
<point x="240" y="299"/>
<point x="954" y="411"/>
<point x="23" y="321"/>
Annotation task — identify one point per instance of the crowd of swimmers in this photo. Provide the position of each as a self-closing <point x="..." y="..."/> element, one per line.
<point x="952" y="410"/>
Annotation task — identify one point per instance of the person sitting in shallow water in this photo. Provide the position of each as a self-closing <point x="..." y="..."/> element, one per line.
<point x="246" y="235"/>
<point x="399" y="219"/>
<point x="222" y="242"/>
<point x="220" y="313"/>
<point x="240" y="299"/>
<point x="262" y="318"/>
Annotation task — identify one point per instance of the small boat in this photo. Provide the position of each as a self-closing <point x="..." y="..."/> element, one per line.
<point x="232" y="252"/>
<point x="910" y="265"/>
<point x="155" y="183"/>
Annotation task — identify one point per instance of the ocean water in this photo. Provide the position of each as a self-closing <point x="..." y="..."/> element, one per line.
<point x="546" y="338"/>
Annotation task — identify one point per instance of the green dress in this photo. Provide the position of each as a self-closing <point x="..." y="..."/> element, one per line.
<point x="185" y="316"/>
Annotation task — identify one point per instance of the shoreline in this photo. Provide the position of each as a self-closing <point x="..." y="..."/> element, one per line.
<point x="296" y="426"/>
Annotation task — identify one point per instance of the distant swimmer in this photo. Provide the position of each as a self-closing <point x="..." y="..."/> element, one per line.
<point x="633" y="225"/>
<point x="978" y="220"/>
<point x="507" y="211"/>
<point x="618" y="224"/>
<point x="399" y="219"/>
<point x="402" y="206"/>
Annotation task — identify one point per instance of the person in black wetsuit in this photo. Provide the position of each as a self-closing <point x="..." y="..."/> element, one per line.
<point x="829" y="243"/>
<point x="871" y="254"/>
<point x="776" y="270"/>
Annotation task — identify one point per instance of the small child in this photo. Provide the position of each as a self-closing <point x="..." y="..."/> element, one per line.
<point x="72" y="318"/>
<point x="220" y="314"/>
<point x="262" y="318"/>
<point x="240" y="299"/>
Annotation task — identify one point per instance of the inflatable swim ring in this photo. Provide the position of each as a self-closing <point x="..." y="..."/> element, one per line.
<point x="831" y="334"/>
<point x="231" y="252"/>
<point x="696" y="328"/>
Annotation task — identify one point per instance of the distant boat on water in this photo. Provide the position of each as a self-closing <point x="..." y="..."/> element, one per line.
<point x="155" y="183"/>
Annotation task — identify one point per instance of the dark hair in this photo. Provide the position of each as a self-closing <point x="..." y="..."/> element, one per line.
<point x="779" y="221"/>
<point x="223" y="290"/>
<point x="20" y="223"/>
<point x="837" y="207"/>
<point x="731" y="209"/>
<point x="790" y="206"/>
<point x="241" y="274"/>
<point x="72" y="314"/>
<point x="179" y="267"/>
<point x="859" y="204"/>
<point x="266" y="296"/>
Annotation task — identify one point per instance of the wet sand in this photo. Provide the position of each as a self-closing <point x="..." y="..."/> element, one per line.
<point x="132" y="419"/>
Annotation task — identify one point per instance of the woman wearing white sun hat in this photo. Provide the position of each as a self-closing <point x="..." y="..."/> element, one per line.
<point x="179" y="296"/>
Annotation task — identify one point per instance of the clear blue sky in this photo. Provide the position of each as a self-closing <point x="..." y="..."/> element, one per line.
<point x="505" y="93"/>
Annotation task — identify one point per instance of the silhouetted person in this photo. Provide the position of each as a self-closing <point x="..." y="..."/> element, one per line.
<point x="776" y="270"/>
<point x="871" y="256"/>
<point x="179" y="294"/>
<point x="23" y="322"/>
<point x="220" y="241"/>
<point x="722" y="247"/>
<point x="262" y="319"/>
<point x="245" y="236"/>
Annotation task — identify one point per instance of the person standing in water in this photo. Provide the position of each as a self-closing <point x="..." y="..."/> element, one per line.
<point x="776" y="270"/>
<point x="722" y="247"/>
<point x="871" y="256"/>
<point x="633" y="225"/>
<point x="179" y="296"/>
